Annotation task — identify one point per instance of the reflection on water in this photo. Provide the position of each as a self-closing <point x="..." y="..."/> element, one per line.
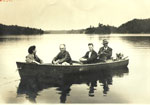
<point x="31" y="85"/>
<point x="138" y="42"/>
<point x="90" y="87"/>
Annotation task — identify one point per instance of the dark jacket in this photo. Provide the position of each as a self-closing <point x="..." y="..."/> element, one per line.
<point x="106" y="53"/>
<point x="93" y="57"/>
<point x="63" y="57"/>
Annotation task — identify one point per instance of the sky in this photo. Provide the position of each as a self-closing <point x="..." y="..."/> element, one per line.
<point x="71" y="14"/>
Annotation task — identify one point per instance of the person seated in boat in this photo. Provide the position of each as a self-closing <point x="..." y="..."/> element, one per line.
<point x="90" y="56"/>
<point x="63" y="57"/>
<point x="32" y="57"/>
<point x="105" y="52"/>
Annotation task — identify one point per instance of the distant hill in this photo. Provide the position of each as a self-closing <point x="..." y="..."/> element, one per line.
<point x="101" y="29"/>
<point x="135" y="26"/>
<point x="18" y="30"/>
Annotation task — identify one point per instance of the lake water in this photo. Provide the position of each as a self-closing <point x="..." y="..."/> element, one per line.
<point x="131" y="85"/>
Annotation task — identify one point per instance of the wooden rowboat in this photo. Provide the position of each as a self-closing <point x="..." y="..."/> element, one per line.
<point x="45" y="69"/>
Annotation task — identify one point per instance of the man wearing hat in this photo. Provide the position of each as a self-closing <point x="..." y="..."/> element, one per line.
<point x="105" y="52"/>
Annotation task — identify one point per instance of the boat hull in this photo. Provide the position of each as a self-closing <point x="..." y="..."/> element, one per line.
<point x="26" y="69"/>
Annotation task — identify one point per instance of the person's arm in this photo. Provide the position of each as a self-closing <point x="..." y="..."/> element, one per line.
<point x="84" y="58"/>
<point x="93" y="57"/>
<point x="65" y="58"/>
<point x="37" y="59"/>
<point x="55" y="58"/>
<point x="86" y="55"/>
<point x="100" y="51"/>
<point x="109" y="54"/>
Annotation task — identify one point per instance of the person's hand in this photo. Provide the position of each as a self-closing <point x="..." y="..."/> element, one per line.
<point x="83" y="59"/>
<point x="54" y="62"/>
<point x="42" y="62"/>
<point x="57" y="62"/>
<point x="103" y="52"/>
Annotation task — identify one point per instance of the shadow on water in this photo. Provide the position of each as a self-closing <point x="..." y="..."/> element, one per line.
<point x="31" y="85"/>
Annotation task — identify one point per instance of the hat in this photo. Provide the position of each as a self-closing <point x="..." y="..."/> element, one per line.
<point x="31" y="48"/>
<point x="105" y="41"/>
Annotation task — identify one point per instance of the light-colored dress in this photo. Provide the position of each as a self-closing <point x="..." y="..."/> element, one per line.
<point x="33" y="58"/>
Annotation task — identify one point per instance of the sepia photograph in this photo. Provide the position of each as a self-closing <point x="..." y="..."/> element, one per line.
<point x="74" y="51"/>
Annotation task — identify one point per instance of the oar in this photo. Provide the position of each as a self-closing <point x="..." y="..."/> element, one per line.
<point x="125" y="57"/>
<point x="73" y="61"/>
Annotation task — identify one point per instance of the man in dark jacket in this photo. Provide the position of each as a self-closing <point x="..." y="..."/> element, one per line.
<point x="90" y="56"/>
<point x="105" y="52"/>
<point x="63" y="57"/>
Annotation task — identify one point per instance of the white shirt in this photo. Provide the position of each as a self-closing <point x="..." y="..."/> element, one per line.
<point x="90" y="54"/>
<point x="105" y="48"/>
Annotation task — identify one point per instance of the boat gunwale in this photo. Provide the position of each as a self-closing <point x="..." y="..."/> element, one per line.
<point x="81" y="65"/>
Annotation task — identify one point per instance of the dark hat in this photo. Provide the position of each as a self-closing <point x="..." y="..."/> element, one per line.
<point x="31" y="49"/>
<point x="105" y="41"/>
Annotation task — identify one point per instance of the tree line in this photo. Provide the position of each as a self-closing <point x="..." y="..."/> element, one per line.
<point x="101" y="29"/>
<point x="18" y="30"/>
<point x="133" y="26"/>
